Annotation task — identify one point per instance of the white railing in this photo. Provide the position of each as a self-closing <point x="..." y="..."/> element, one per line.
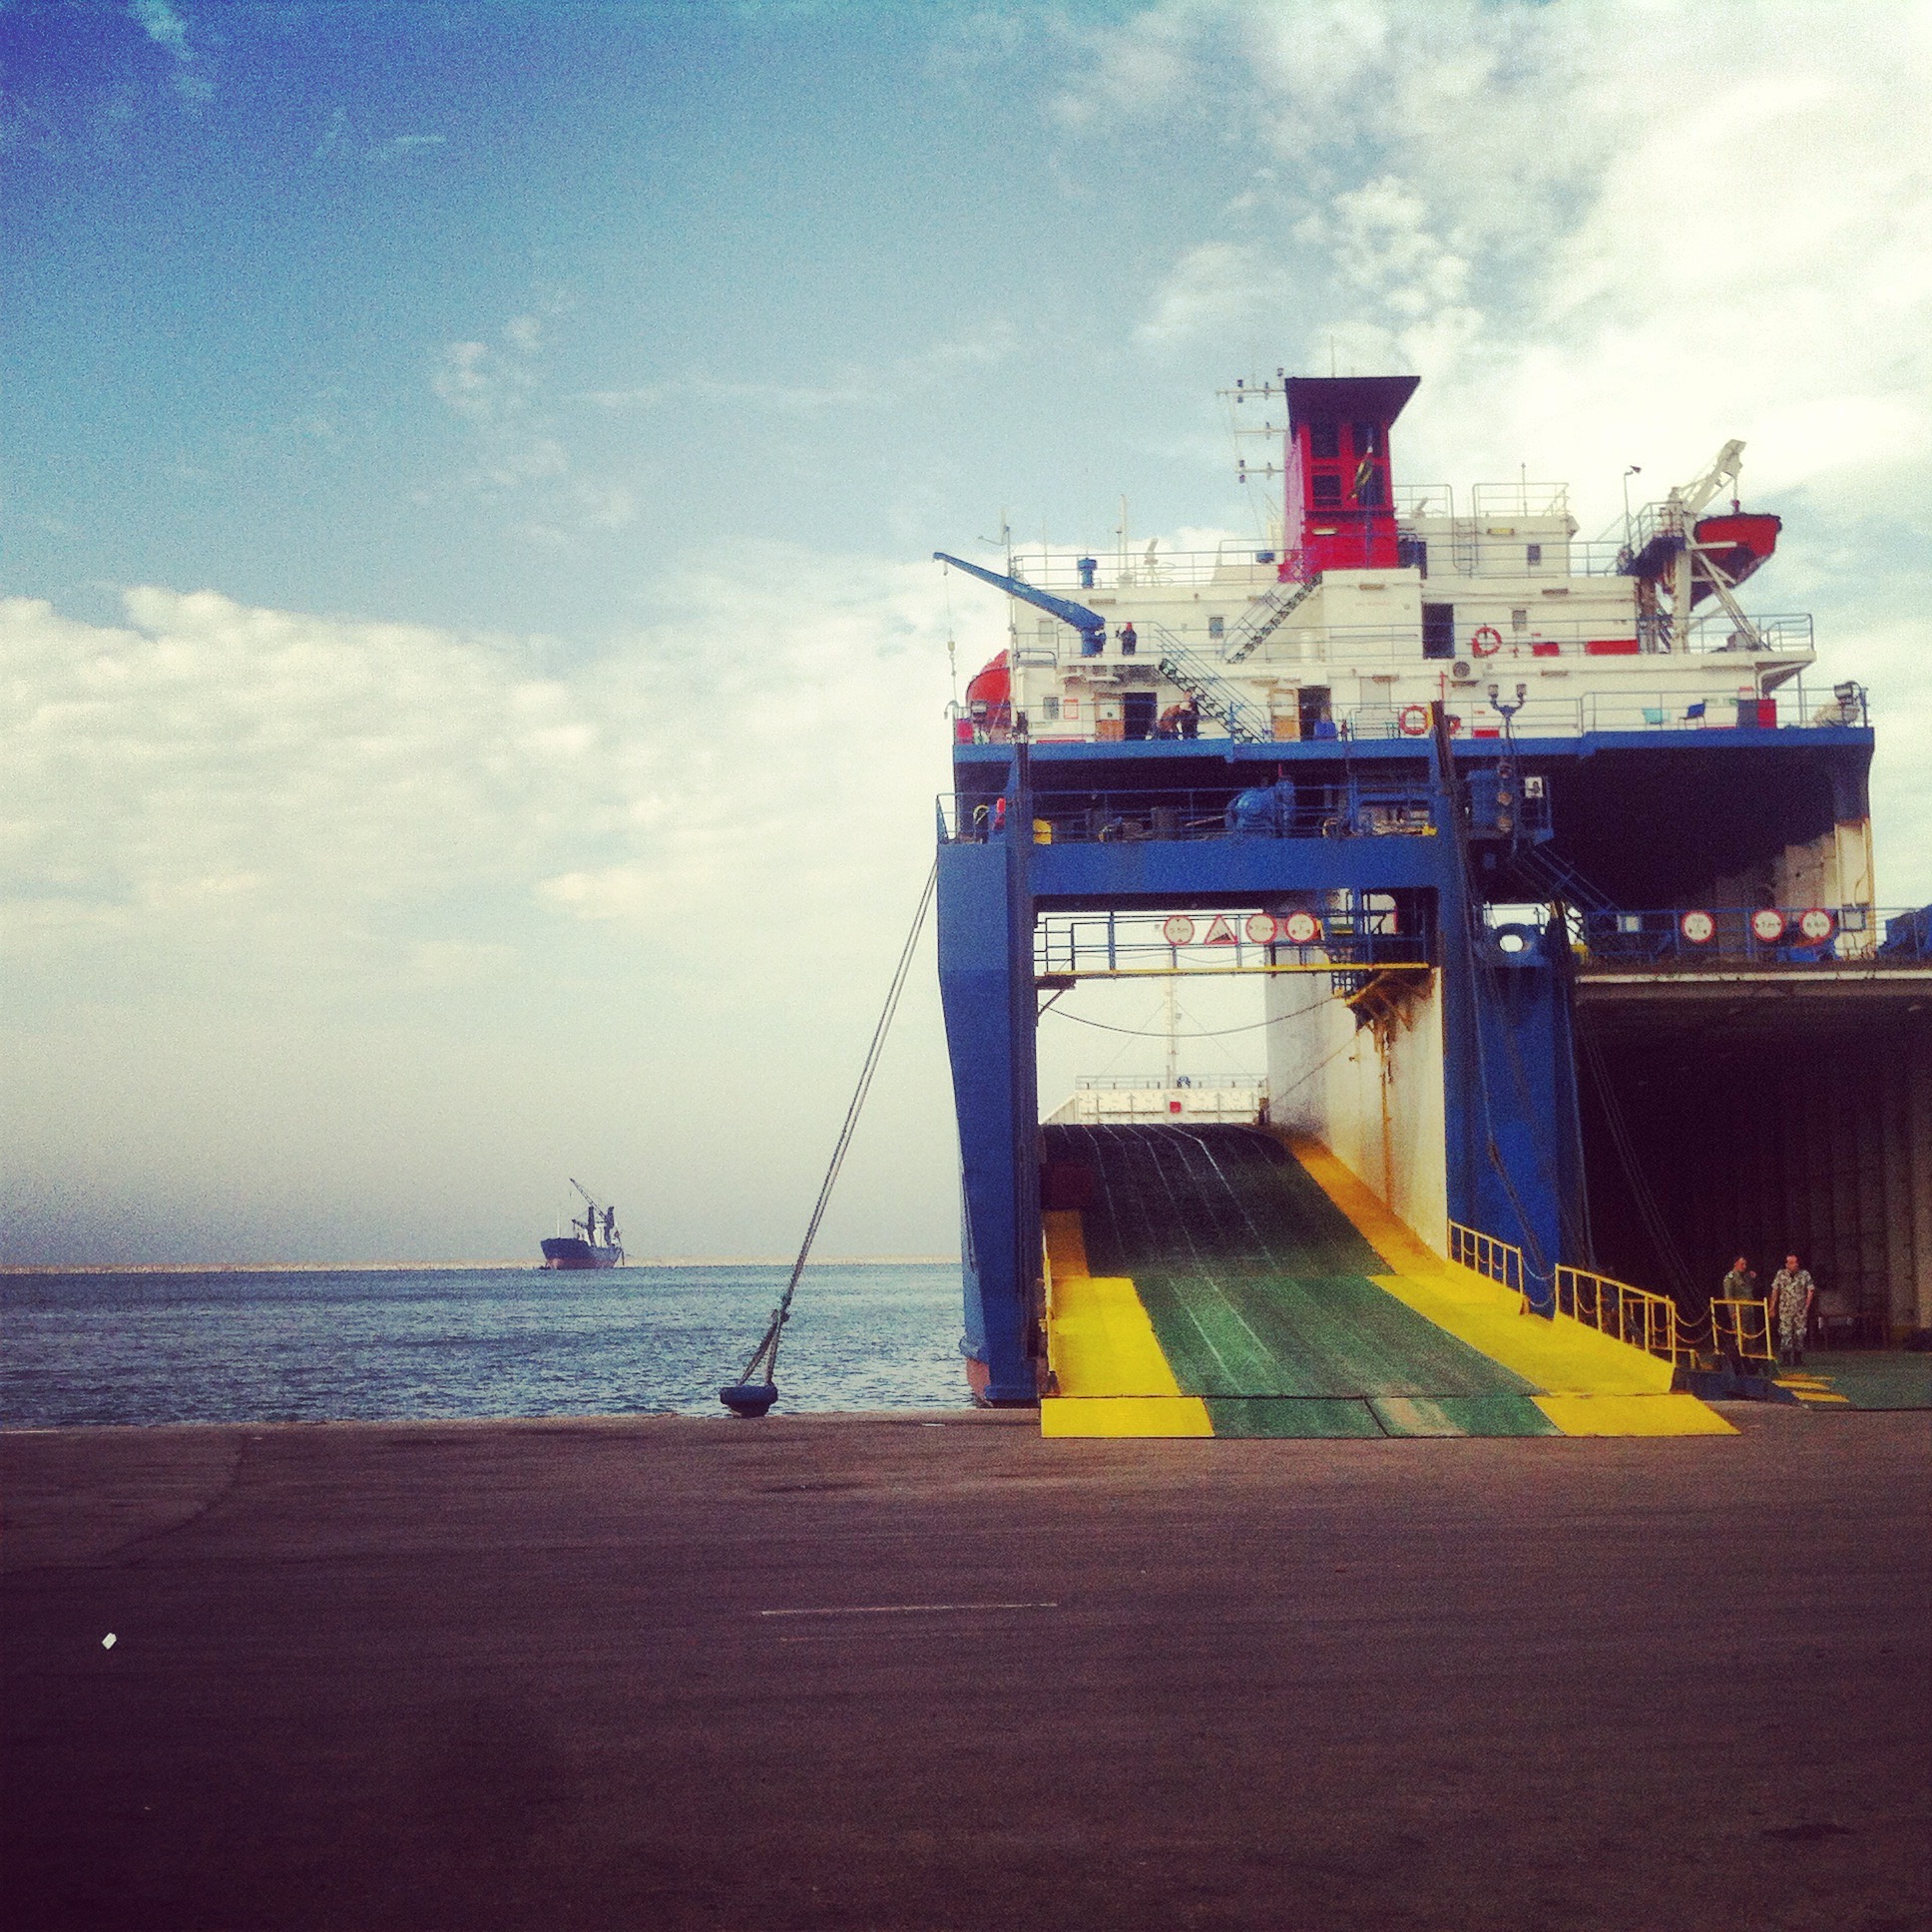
<point x="1251" y="564"/>
<point x="1523" y="499"/>
<point x="1559" y="639"/>
<point x="1138" y="1083"/>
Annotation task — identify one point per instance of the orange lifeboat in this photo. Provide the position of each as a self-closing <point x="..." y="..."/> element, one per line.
<point x="989" y="703"/>
<point x="1739" y="543"/>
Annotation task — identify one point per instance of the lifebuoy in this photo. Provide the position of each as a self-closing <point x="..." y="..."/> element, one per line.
<point x="1414" y="719"/>
<point x="1485" y="641"/>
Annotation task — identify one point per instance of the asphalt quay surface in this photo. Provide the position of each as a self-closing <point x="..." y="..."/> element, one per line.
<point x="937" y="1673"/>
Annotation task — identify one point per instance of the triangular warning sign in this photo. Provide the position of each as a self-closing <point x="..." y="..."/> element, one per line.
<point x="1220" y="933"/>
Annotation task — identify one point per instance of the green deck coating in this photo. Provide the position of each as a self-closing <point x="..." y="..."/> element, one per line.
<point x="1462" y="1415"/>
<point x="1258" y="1289"/>
<point x="1309" y="1335"/>
<point x="1175" y="1198"/>
<point x="1238" y="1415"/>
<point x="1892" y="1378"/>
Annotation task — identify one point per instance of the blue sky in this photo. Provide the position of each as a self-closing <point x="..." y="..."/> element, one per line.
<point x="756" y="273"/>
<point x="474" y="676"/>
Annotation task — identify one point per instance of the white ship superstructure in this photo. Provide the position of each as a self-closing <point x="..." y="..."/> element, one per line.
<point x="1355" y="614"/>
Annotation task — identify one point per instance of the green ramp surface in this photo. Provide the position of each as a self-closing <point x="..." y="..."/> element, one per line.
<point x="1258" y="1289"/>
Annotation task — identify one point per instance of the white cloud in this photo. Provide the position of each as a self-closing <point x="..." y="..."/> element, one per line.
<point x="212" y="775"/>
<point x="166" y="29"/>
<point x="163" y="25"/>
<point x="905" y="378"/>
<point x="310" y="920"/>
<point x="1587" y="236"/>
<point x="497" y="390"/>
<point x="1603" y="232"/>
<point x="1216" y="289"/>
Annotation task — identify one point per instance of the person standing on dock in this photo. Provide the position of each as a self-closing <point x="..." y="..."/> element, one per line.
<point x="1792" y="1292"/>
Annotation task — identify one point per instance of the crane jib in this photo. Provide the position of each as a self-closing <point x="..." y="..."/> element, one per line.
<point x="1090" y="623"/>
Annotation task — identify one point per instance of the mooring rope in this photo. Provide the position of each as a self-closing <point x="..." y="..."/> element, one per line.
<point x="766" y="1355"/>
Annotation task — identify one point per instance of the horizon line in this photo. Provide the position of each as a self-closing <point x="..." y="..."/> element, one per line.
<point x="466" y="1267"/>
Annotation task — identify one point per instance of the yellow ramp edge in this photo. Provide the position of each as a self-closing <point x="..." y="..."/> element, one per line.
<point x="1633" y="1416"/>
<point x="1102" y="1341"/>
<point x="1066" y="1241"/>
<point x="1125" y="1416"/>
<point x="1112" y="1378"/>
<point x="1593" y="1384"/>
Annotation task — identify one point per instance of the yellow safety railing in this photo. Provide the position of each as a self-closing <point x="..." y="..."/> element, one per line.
<point x="1635" y="1316"/>
<point x="1500" y="1261"/>
<point x="1740" y="1327"/>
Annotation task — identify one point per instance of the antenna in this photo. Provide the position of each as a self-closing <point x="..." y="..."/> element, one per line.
<point x="1174" y="1030"/>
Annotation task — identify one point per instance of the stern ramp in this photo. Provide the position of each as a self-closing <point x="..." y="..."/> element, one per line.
<point x="1224" y="1282"/>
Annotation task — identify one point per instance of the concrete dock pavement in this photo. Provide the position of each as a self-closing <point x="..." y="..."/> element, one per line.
<point x="934" y="1671"/>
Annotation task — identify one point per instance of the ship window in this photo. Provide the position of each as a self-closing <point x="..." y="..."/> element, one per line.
<point x="1536" y="555"/>
<point x="1051" y="706"/>
<point x="1364" y="439"/>
<point x="1215" y="626"/>
<point x="1327" y="489"/>
<point x="1368" y="487"/>
<point x="1325" y="439"/>
<point x="1438" y="629"/>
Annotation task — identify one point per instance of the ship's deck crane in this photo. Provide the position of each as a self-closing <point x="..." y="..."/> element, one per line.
<point x="1090" y="623"/>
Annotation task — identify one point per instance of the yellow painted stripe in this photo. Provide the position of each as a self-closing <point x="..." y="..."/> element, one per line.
<point x="1125" y="1416"/>
<point x="1593" y="1386"/>
<point x="1066" y="1241"/>
<point x="1112" y="1378"/>
<point x="1558" y="1355"/>
<point x="1633" y="1416"/>
<point x="1102" y="1341"/>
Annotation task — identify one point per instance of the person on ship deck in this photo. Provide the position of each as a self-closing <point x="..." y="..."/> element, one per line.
<point x="1181" y="721"/>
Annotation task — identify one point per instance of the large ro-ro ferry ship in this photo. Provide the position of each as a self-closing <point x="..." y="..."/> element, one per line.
<point x="1554" y="860"/>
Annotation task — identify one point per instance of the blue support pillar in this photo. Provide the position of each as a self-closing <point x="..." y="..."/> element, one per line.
<point x="986" y="988"/>
<point x="1514" y="1155"/>
<point x="1514" y="1165"/>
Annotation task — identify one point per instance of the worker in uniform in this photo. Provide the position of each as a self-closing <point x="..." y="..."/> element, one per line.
<point x="1739" y="1285"/>
<point x="1793" y="1292"/>
<point x="1128" y="642"/>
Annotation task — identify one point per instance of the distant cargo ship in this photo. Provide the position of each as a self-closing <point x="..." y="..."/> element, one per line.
<point x="592" y="1241"/>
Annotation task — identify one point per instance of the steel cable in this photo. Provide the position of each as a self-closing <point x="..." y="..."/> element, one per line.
<point x="766" y="1352"/>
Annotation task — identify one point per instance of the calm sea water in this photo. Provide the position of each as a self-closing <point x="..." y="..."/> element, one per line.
<point x="311" y="1347"/>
